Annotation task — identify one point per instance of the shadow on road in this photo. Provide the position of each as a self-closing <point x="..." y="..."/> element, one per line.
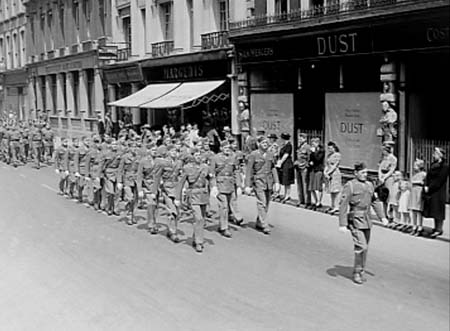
<point x="344" y="271"/>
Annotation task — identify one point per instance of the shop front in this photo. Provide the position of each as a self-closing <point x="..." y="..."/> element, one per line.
<point x="341" y="82"/>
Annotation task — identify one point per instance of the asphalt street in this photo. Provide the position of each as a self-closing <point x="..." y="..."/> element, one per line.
<point x="67" y="267"/>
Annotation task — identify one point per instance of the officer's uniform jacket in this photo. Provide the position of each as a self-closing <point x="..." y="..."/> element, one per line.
<point x="356" y="200"/>
<point x="81" y="160"/>
<point x="110" y="165"/>
<point x="71" y="151"/>
<point x="196" y="176"/>
<point x="61" y="158"/>
<point x="47" y="135"/>
<point x="261" y="172"/>
<point x="36" y="137"/>
<point x="94" y="163"/>
<point x="224" y="170"/>
<point x="26" y="136"/>
<point x="128" y="169"/>
<point x="303" y="153"/>
<point x="146" y="175"/>
<point x="14" y="135"/>
<point x="168" y="172"/>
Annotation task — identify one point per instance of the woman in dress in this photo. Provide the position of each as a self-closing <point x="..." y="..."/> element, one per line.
<point x="416" y="197"/>
<point x="435" y="191"/>
<point x="333" y="176"/>
<point x="286" y="166"/>
<point x="316" y="160"/>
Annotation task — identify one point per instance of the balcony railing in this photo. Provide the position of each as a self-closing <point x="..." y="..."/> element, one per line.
<point x="123" y="54"/>
<point x="162" y="48"/>
<point x="215" y="40"/>
<point x="329" y="9"/>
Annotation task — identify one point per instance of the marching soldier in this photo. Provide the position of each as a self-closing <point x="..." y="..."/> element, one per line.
<point x="36" y="144"/>
<point x="71" y="163"/>
<point x="81" y="159"/>
<point x="147" y="187"/>
<point x="61" y="166"/>
<point x="127" y="179"/>
<point x="197" y="175"/>
<point x="15" y="138"/>
<point x="25" y="143"/>
<point x="3" y="141"/>
<point x="261" y="176"/>
<point x="168" y="172"/>
<point x="94" y="169"/>
<point x="48" y="136"/>
<point x="110" y="167"/>
<point x="225" y="178"/>
<point x="357" y="198"/>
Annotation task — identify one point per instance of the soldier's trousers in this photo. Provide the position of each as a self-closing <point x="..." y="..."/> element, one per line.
<point x="302" y="186"/>
<point x="94" y="193"/>
<point x="110" y="196"/>
<point x="37" y="150"/>
<point x="62" y="181"/>
<point x="152" y="206"/>
<point x="81" y="188"/>
<point x="227" y="209"/>
<point x="199" y="213"/>
<point x="15" y="152"/>
<point x="172" y="220"/>
<point x="361" y="238"/>
<point x="262" y="205"/>
<point x="48" y="153"/>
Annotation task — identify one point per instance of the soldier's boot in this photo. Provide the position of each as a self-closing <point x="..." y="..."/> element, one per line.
<point x="151" y="217"/>
<point x="109" y="204"/>
<point x="357" y="279"/>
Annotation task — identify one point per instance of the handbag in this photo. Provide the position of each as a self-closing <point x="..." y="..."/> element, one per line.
<point x="383" y="192"/>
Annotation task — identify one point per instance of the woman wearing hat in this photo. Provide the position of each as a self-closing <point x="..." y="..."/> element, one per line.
<point x="435" y="191"/>
<point x="286" y="166"/>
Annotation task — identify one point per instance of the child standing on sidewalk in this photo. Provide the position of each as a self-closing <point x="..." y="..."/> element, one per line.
<point x="392" y="206"/>
<point x="403" y="205"/>
<point x="416" y="199"/>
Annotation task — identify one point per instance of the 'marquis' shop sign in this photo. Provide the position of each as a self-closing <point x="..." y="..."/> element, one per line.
<point x="188" y="72"/>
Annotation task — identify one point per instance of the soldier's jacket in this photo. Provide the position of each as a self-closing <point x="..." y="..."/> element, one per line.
<point x="81" y="160"/>
<point x="128" y="169"/>
<point x="2" y="133"/>
<point x="47" y="136"/>
<point x="303" y="153"/>
<point x="146" y="175"/>
<point x="167" y="174"/>
<point x="197" y="178"/>
<point x="94" y="163"/>
<point x="110" y="164"/>
<point x="61" y="158"/>
<point x="14" y="134"/>
<point x="71" y="151"/>
<point x="356" y="199"/>
<point x="261" y="173"/>
<point x="207" y="156"/>
<point x="240" y="157"/>
<point x="26" y="136"/>
<point x="224" y="170"/>
<point x="36" y="136"/>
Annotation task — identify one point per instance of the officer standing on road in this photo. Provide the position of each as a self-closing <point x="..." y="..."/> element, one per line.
<point x="81" y="158"/>
<point x="354" y="216"/>
<point x="261" y="176"/>
<point x="62" y="166"/>
<point x="36" y="144"/>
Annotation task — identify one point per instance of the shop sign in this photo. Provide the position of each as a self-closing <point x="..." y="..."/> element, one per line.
<point x="207" y="70"/>
<point x="351" y="122"/>
<point x="123" y="75"/>
<point x="273" y="111"/>
<point x="183" y="72"/>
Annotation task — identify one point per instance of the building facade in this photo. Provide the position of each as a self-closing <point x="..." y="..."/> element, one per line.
<point x="164" y="42"/>
<point x="13" y="77"/>
<point x="64" y="79"/>
<point x="360" y="73"/>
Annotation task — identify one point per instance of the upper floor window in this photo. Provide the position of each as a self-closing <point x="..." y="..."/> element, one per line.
<point x="224" y="14"/>
<point x="281" y="6"/>
<point x="61" y="18"/>
<point x="87" y="9"/>
<point x="126" y="27"/>
<point x="101" y="13"/>
<point x="76" y="13"/>
<point x="167" y="20"/>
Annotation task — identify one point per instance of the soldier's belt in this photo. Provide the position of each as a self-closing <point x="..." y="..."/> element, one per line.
<point x="225" y="175"/>
<point x="358" y="212"/>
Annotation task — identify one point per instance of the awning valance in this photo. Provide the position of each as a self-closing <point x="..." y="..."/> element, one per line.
<point x="145" y="95"/>
<point x="183" y="94"/>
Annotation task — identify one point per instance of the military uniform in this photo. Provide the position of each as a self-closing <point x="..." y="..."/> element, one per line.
<point x="110" y="168"/>
<point x="26" y="138"/>
<point x="167" y="174"/>
<point x="261" y="175"/>
<point x="225" y="174"/>
<point x="94" y="169"/>
<point x="197" y="196"/>
<point x="148" y="189"/>
<point x="61" y="167"/>
<point x="48" y="136"/>
<point x="4" y="136"/>
<point x="36" y="145"/>
<point x="15" y="138"/>
<point x="356" y="200"/>
<point x="72" y="178"/>
<point x="127" y="176"/>
<point x="81" y="159"/>
<point x="301" y="166"/>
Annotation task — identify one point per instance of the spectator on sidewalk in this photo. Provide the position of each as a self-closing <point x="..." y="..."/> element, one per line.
<point x="392" y="203"/>
<point x="333" y="177"/>
<point x="386" y="168"/>
<point x="416" y="197"/>
<point x="435" y="191"/>
<point x="286" y="167"/>
<point x="301" y="167"/>
<point x="316" y="172"/>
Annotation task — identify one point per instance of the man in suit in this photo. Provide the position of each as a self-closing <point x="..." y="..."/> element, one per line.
<point x="261" y="176"/>
<point x="301" y="166"/>
<point x="354" y="215"/>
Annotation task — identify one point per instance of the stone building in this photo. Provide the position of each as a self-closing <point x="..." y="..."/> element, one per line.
<point x="13" y="77"/>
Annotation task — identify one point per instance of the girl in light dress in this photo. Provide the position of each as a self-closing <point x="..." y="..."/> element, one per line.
<point x="392" y="203"/>
<point x="416" y="199"/>
<point x="403" y="205"/>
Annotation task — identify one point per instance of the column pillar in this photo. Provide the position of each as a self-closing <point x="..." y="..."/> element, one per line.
<point x="39" y="100"/>
<point x="83" y="97"/>
<point x="31" y="99"/>
<point x="70" y="99"/>
<point x="99" y="106"/>
<point x="135" y="112"/>
<point x="60" y="108"/>
<point x="111" y="98"/>
<point x="49" y="95"/>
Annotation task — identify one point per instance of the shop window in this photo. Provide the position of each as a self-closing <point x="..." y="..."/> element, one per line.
<point x="166" y="10"/>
